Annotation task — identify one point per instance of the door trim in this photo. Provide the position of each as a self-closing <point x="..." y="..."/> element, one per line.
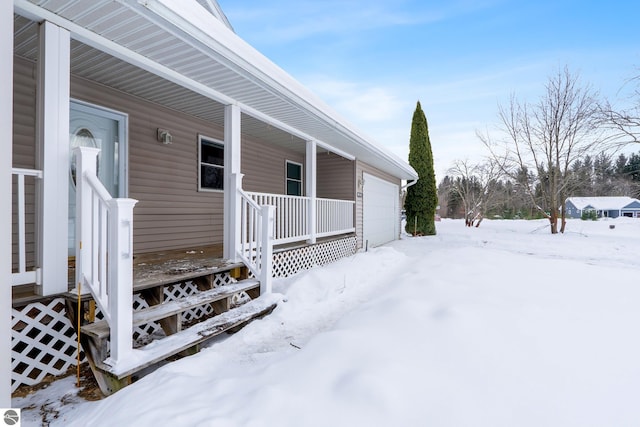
<point x="123" y="137"/>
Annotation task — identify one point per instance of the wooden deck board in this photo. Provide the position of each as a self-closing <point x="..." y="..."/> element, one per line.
<point x="166" y="267"/>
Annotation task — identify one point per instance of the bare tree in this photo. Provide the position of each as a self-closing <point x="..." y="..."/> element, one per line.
<point x="623" y="124"/>
<point x="475" y="186"/>
<point x="547" y="137"/>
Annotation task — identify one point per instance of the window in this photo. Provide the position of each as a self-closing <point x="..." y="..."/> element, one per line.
<point x="211" y="174"/>
<point x="294" y="179"/>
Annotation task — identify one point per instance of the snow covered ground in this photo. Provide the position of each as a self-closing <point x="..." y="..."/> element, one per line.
<point x="504" y="325"/>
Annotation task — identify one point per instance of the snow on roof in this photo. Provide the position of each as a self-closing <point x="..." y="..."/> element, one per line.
<point x="601" y="202"/>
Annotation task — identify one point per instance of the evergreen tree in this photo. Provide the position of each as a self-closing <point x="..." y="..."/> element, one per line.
<point x="621" y="162"/>
<point x="422" y="197"/>
<point x="632" y="168"/>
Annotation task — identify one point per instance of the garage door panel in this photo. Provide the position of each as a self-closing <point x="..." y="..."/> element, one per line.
<point x="380" y="211"/>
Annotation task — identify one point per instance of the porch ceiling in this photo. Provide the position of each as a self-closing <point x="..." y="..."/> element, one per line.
<point x="276" y="108"/>
<point x="100" y="67"/>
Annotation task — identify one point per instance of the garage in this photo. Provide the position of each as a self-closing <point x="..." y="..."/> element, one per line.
<point x="381" y="213"/>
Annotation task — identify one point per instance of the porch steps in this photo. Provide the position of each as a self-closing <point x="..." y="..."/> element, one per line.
<point x="178" y="341"/>
<point x="100" y="330"/>
<point x="194" y="335"/>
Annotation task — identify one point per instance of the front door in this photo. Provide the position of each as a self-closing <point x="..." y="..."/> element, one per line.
<point x="92" y="126"/>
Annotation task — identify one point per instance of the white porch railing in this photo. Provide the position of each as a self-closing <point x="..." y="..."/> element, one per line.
<point x="291" y="215"/>
<point x="104" y="250"/>
<point x="22" y="276"/>
<point x="256" y="239"/>
<point x="333" y="216"/>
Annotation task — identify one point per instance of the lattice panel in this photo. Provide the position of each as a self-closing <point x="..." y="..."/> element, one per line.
<point x="141" y="333"/>
<point x="43" y="342"/>
<point x="181" y="290"/>
<point x="222" y="279"/>
<point x="332" y="251"/>
<point x="287" y="263"/>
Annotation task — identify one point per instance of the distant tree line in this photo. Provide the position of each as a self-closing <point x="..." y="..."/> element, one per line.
<point x="467" y="192"/>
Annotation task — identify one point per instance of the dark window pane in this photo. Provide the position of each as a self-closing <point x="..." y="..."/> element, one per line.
<point x="294" y="188"/>
<point x="211" y="177"/>
<point x="212" y="153"/>
<point x="294" y="171"/>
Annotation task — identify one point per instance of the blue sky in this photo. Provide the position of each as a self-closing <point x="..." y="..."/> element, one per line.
<point x="372" y="60"/>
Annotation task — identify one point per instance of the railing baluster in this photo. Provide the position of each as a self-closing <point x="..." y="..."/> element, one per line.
<point x="95" y="239"/>
<point x="102" y="247"/>
<point x="22" y="255"/>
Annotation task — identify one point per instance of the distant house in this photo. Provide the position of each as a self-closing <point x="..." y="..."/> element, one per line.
<point x="605" y="207"/>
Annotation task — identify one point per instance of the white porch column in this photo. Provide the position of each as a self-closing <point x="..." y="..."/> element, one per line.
<point x="310" y="190"/>
<point x="232" y="181"/>
<point x="53" y="156"/>
<point x="6" y="147"/>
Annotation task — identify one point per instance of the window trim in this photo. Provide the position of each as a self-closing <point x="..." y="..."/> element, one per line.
<point x="217" y="141"/>
<point x="286" y="178"/>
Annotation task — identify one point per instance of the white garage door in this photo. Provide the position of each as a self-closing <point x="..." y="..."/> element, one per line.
<point x="380" y="216"/>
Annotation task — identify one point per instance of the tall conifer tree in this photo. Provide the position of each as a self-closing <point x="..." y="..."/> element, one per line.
<point x="422" y="197"/>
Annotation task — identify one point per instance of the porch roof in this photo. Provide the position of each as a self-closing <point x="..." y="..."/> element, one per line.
<point x="179" y="54"/>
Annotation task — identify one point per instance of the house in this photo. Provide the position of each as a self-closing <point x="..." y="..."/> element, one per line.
<point x="162" y="172"/>
<point x="605" y="207"/>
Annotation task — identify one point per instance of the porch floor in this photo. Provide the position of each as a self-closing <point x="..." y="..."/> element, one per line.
<point x="152" y="269"/>
<point x="172" y="266"/>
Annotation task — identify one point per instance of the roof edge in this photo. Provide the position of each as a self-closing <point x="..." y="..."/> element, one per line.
<point x="247" y="60"/>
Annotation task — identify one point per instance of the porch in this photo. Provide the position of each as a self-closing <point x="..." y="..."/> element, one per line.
<point x="165" y="285"/>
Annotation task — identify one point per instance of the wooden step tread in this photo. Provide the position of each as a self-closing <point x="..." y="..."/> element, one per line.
<point x="100" y="329"/>
<point x="149" y="275"/>
<point x="161" y="349"/>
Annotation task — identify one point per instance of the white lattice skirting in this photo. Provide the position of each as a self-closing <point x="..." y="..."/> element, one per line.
<point x="45" y="343"/>
<point x="289" y="262"/>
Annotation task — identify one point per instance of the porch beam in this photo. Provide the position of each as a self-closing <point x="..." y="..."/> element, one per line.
<point x="6" y="147"/>
<point x="310" y="184"/>
<point x="232" y="181"/>
<point x="293" y="131"/>
<point x="52" y="156"/>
